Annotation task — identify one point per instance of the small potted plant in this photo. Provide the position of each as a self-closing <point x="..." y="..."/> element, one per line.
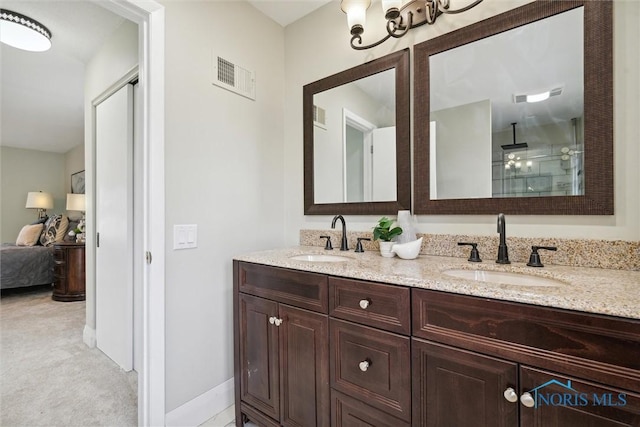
<point x="385" y="234"/>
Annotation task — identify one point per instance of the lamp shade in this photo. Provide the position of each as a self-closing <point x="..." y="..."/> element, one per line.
<point x="39" y="200"/>
<point x="75" y="202"/>
<point x="22" y="32"/>
<point x="356" y="11"/>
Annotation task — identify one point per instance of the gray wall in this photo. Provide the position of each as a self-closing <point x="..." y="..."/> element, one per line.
<point x="223" y="172"/>
<point x="22" y="171"/>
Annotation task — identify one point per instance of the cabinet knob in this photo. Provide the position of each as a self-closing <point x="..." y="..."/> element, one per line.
<point x="364" y="365"/>
<point x="272" y="320"/>
<point x="364" y="303"/>
<point x="278" y="322"/>
<point x="527" y="400"/>
<point x="511" y="395"/>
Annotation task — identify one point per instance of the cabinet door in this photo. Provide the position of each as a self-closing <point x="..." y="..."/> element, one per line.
<point x="304" y="368"/>
<point x="457" y="388"/>
<point x="560" y="401"/>
<point x="259" y="355"/>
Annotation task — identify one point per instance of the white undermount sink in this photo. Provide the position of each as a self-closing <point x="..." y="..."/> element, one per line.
<point x="319" y="258"/>
<point x="506" y="278"/>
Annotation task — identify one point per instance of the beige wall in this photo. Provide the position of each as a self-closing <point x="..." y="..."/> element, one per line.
<point x="22" y="171"/>
<point x="318" y="46"/>
<point x="223" y="172"/>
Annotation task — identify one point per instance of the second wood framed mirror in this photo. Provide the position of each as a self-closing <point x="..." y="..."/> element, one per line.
<point x="514" y="114"/>
<point x="357" y="156"/>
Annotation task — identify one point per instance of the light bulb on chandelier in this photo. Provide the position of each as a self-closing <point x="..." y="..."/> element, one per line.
<point x="399" y="18"/>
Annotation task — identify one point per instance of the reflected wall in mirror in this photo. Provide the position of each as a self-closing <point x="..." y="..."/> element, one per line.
<point x="483" y="146"/>
<point x="355" y="122"/>
<point x="356" y="139"/>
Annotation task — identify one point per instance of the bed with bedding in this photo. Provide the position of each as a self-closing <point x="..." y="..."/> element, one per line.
<point x="30" y="260"/>
<point x="22" y="266"/>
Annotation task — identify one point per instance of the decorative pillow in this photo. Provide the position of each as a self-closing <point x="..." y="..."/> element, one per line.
<point x="29" y="235"/>
<point x="54" y="230"/>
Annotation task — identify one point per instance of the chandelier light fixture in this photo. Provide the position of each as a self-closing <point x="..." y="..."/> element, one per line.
<point x="22" y="32"/>
<point x="400" y="18"/>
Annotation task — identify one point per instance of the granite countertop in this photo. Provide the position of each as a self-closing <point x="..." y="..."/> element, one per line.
<point x="592" y="290"/>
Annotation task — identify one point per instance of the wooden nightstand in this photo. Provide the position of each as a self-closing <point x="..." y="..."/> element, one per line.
<point x="69" y="272"/>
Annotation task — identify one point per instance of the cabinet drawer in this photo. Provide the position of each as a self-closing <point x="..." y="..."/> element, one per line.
<point x="373" y="366"/>
<point x="300" y="289"/>
<point x="573" y="342"/>
<point x="382" y="306"/>
<point x="349" y="412"/>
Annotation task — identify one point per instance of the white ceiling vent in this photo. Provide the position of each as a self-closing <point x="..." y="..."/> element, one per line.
<point x="233" y="77"/>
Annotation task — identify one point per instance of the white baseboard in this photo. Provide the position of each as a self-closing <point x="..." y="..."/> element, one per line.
<point x="203" y="407"/>
<point x="89" y="336"/>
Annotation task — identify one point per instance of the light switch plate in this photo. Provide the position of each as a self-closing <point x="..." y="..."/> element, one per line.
<point x="185" y="236"/>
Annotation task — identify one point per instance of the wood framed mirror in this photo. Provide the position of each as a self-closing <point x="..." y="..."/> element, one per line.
<point x="553" y="157"/>
<point x="357" y="156"/>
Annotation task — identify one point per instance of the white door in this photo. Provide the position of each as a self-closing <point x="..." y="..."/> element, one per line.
<point x="138" y="244"/>
<point x="384" y="165"/>
<point x="114" y="225"/>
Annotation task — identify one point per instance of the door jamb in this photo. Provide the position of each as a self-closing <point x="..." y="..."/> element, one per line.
<point x="149" y="15"/>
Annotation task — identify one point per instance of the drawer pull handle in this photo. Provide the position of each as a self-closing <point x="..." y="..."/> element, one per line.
<point x="527" y="400"/>
<point x="364" y="303"/>
<point x="278" y="322"/>
<point x="511" y="395"/>
<point x="364" y="365"/>
<point x="272" y="320"/>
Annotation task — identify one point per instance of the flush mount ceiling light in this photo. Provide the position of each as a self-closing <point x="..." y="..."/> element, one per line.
<point x="400" y="19"/>
<point x="537" y="97"/>
<point x="22" y="32"/>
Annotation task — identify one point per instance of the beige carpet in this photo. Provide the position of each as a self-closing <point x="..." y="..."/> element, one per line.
<point x="49" y="377"/>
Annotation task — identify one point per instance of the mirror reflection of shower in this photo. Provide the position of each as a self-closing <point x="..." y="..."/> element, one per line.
<point x="550" y="163"/>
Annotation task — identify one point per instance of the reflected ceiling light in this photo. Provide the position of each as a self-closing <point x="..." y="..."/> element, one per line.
<point x="537" y="97"/>
<point x="22" y="32"/>
<point x="400" y="19"/>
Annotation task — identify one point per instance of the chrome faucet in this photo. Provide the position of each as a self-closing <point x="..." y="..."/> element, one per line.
<point x="503" y="254"/>
<point x="343" y="244"/>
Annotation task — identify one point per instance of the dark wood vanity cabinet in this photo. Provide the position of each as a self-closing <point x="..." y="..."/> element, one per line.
<point x="370" y="359"/>
<point x="282" y="362"/>
<point x="318" y="350"/>
<point x="590" y="405"/>
<point x="507" y="364"/>
<point x="454" y="387"/>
